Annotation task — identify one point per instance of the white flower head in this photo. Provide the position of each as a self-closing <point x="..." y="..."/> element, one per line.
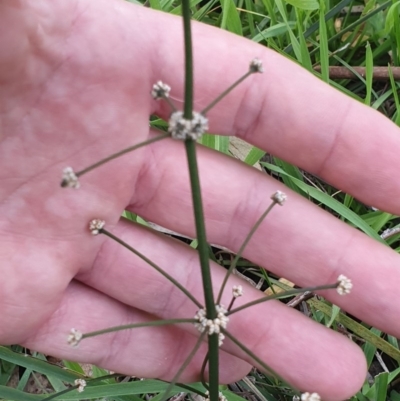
<point x="344" y="285"/>
<point x="279" y="197"/>
<point x="181" y="128"/>
<point x="221" y="397"/>
<point x="237" y="291"/>
<point x="96" y="225"/>
<point x="69" y="178"/>
<point x="310" y="397"/>
<point x="74" y="337"/>
<point x="160" y="90"/>
<point x="256" y="65"/>
<point x="212" y="326"/>
<point x="81" y="384"/>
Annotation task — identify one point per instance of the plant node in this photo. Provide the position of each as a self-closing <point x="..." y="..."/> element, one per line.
<point x="344" y="285"/>
<point x="279" y="197"/>
<point x="96" y="225"/>
<point x="69" y="178"/>
<point x="81" y="384"/>
<point x="74" y="337"/>
<point x="212" y="326"/>
<point x="181" y="128"/>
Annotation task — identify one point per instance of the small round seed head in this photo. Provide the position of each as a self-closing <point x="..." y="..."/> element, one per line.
<point x="81" y="384"/>
<point x="237" y="291"/>
<point x="256" y="66"/>
<point x="344" y="285"/>
<point x="160" y="90"/>
<point x="96" y="225"/>
<point x="74" y="337"/>
<point x="69" y="179"/>
<point x="212" y="326"/>
<point x="279" y="197"/>
<point x="181" y="128"/>
<point x="310" y="397"/>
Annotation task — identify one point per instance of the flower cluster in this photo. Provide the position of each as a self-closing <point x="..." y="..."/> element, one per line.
<point x="160" y="90"/>
<point x="69" y="178"/>
<point x="310" y="397"/>
<point x="212" y="326"/>
<point x="279" y="197"/>
<point x="237" y="291"/>
<point x="221" y="397"/>
<point x="74" y="337"/>
<point x="96" y="225"/>
<point x="181" y="128"/>
<point x="344" y="285"/>
<point x="256" y="66"/>
<point x="81" y="384"/>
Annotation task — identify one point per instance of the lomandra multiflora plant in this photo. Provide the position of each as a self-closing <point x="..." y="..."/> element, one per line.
<point x="210" y="317"/>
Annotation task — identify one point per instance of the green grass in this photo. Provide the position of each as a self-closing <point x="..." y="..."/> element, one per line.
<point x="311" y="33"/>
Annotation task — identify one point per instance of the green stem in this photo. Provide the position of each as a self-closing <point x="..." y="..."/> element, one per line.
<point x="187" y="32"/>
<point x="153" y="265"/>
<point x="254" y="357"/>
<point x="137" y="325"/>
<point x="121" y="153"/>
<point x="183" y="367"/>
<point x="241" y="249"/>
<point x="190" y="146"/>
<point x="282" y="295"/>
<point x="225" y="92"/>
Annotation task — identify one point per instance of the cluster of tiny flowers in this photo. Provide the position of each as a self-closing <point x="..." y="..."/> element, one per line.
<point x="181" y="128"/>
<point x="237" y="291"/>
<point x="256" y="65"/>
<point x="160" y="90"/>
<point x="81" y="384"/>
<point x="74" y="337"/>
<point x="279" y="197"/>
<point x="69" y="178"/>
<point x="96" y="225"/>
<point x="344" y="285"/>
<point x="221" y="397"/>
<point x="212" y="326"/>
<point x="310" y="397"/>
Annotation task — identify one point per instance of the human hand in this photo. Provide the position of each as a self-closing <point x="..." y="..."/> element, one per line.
<point x="75" y="79"/>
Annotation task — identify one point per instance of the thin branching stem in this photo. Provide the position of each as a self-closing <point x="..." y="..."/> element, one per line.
<point x="202" y="372"/>
<point x="225" y="92"/>
<point x="183" y="367"/>
<point x="282" y="295"/>
<point x="153" y="265"/>
<point x="190" y="145"/>
<point x="241" y="249"/>
<point x="136" y="326"/>
<point x="254" y="357"/>
<point x="120" y="153"/>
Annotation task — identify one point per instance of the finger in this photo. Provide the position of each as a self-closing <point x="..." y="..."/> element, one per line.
<point x="348" y="144"/>
<point x="275" y="333"/>
<point x="300" y="242"/>
<point x="151" y="352"/>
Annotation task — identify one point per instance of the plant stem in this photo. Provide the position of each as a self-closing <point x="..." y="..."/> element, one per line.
<point x="153" y="265"/>
<point x="241" y="249"/>
<point x="121" y="153"/>
<point x="281" y="295"/>
<point x="136" y="326"/>
<point x="190" y="146"/>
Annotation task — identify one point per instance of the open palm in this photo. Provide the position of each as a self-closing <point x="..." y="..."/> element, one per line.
<point x="75" y="83"/>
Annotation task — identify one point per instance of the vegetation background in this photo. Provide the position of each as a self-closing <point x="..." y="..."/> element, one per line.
<point x="329" y="38"/>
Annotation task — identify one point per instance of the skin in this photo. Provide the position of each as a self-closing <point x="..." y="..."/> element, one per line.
<point x="75" y="78"/>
